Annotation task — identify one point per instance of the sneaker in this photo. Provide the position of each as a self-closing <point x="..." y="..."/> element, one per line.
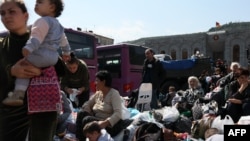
<point x="14" y="98"/>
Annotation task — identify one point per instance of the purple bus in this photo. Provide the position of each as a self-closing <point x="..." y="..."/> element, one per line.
<point x="124" y="62"/>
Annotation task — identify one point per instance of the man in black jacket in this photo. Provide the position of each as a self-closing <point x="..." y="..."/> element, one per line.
<point x="153" y="72"/>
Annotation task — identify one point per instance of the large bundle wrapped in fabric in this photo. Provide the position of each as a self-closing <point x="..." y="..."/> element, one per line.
<point x="178" y="64"/>
<point x="186" y="67"/>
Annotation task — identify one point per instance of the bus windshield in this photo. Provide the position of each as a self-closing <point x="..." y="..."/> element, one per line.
<point x="110" y="60"/>
<point x="82" y="45"/>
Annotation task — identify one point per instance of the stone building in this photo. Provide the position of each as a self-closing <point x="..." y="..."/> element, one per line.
<point x="229" y="42"/>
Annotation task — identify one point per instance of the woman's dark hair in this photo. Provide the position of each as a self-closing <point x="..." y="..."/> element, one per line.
<point x="73" y="60"/>
<point x="19" y="3"/>
<point x="244" y="72"/>
<point x="59" y="6"/>
<point x="104" y="75"/>
<point x="72" y="55"/>
<point x="239" y="72"/>
<point x="22" y="6"/>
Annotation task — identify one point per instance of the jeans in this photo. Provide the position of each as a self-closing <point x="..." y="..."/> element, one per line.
<point x="154" y="101"/>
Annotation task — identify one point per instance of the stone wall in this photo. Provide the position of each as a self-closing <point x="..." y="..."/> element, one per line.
<point x="218" y="44"/>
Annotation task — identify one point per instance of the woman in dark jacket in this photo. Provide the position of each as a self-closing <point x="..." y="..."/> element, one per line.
<point x="76" y="77"/>
<point x="14" y="121"/>
<point x="239" y="102"/>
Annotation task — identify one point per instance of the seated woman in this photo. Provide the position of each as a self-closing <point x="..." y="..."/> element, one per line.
<point x="186" y="101"/>
<point x="239" y="102"/>
<point x="194" y="91"/>
<point x="233" y="86"/>
<point x="104" y="106"/>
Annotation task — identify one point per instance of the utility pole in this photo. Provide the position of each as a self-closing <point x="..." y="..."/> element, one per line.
<point x="248" y="57"/>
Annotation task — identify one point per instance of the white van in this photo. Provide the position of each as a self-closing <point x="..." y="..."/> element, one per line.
<point x="163" y="57"/>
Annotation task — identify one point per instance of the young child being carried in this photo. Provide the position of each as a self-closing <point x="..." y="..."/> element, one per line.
<point x="47" y="35"/>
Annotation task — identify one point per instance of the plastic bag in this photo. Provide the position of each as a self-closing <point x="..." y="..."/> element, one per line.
<point x="244" y="120"/>
<point x="73" y="95"/>
<point x="219" y="123"/>
<point x="145" y="116"/>
<point x="170" y="114"/>
<point x="133" y="112"/>
<point x="197" y="110"/>
<point x="125" y="113"/>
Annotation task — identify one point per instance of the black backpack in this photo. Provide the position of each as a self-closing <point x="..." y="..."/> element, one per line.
<point x="133" y="98"/>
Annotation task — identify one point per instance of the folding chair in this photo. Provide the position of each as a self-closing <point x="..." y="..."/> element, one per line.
<point x="144" y="97"/>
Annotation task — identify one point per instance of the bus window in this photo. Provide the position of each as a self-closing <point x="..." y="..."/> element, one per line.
<point x="125" y="62"/>
<point x="136" y="55"/>
<point x="110" y="60"/>
<point x="81" y="45"/>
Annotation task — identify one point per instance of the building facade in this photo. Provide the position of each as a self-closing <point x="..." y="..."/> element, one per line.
<point x="229" y="42"/>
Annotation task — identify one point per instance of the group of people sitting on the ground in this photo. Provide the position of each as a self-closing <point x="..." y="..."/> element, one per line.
<point x="229" y="94"/>
<point x="100" y="117"/>
<point x="218" y="86"/>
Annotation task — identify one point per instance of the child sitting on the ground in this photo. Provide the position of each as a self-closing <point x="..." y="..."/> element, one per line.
<point x="94" y="132"/>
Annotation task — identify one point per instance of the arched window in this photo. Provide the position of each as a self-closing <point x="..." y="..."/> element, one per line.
<point x="184" y="54"/>
<point x="173" y="54"/>
<point x="236" y="53"/>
